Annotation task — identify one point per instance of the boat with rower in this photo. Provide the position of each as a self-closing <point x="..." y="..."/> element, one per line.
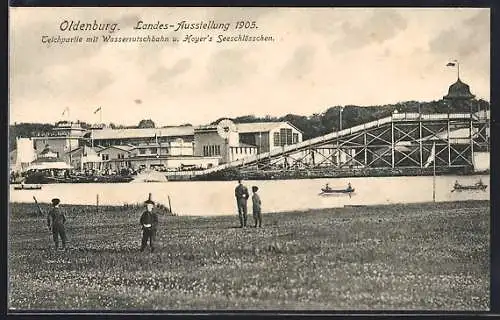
<point x="328" y="190"/>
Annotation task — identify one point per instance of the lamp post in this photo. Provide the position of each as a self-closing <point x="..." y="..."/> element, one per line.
<point x="340" y="118"/>
<point x="260" y="142"/>
<point x="340" y="129"/>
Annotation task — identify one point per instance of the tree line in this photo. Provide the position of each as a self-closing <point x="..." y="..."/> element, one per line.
<point x="312" y="126"/>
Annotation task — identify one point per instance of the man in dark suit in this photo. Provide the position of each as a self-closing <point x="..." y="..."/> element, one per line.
<point x="241" y="194"/>
<point x="55" y="222"/>
<point x="149" y="223"/>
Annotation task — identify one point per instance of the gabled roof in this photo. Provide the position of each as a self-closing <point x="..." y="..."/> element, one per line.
<point x="96" y="148"/>
<point x="125" y="148"/>
<point x="142" y="133"/>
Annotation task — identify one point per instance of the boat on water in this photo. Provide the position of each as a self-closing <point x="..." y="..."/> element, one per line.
<point x="150" y="176"/>
<point x="327" y="190"/>
<point x="477" y="186"/>
<point x="28" y="187"/>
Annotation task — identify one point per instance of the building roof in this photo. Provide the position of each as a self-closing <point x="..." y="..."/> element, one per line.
<point x="261" y="126"/>
<point x="46" y="160"/>
<point x="207" y="127"/>
<point x="124" y="147"/>
<point x="49" y="165"/>
<point x="459" y="91"/>
<point x="85" y="149"/>
<point x="142" y="133"/>
<point x="182" y="130"/>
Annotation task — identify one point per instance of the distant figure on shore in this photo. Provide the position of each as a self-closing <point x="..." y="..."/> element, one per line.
<point x="349" y="187"/>
<point x="256" y="207"/>
<point x="149" y="223"/>
<point x="56" y="219"/>
<point x="241" y="194"/>
<point x="327" y="187"/>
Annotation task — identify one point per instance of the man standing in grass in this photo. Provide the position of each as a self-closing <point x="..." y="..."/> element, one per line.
<point x="241" y="194"/>
<point x="56" y="220"/>
<point x="257" y="217"/>
<point x="149" y="223"/>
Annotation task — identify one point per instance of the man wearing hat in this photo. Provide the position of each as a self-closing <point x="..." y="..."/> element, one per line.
<point x="56" y="219"/>
<point x="241" y="194"/>
<point x="149" y="223"/>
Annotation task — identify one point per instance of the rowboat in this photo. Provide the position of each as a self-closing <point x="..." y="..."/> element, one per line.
<point x="28" y="187"/>
<point x="329" y="191"/>
<point x="476" y="186"/>
<point x="348" y="190"/>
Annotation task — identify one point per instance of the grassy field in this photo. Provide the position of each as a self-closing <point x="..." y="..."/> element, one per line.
<point x="394" y="257"/>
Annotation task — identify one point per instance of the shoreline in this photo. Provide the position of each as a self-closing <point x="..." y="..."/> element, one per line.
<point x="230" y="175"/>
<point x="101" y="208"/>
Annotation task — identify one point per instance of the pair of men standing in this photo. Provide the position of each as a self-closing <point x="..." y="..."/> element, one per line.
<point x="241" y="194"/>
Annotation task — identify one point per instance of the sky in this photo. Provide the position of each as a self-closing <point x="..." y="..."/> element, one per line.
<point x="321" y="57"/>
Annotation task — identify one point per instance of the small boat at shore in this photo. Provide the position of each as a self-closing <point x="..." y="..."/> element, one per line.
<point x="477" y="186"/>
<point x="28" y="187"/>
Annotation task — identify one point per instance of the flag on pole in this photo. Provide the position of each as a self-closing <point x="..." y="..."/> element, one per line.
<point x="432" y="156"/>
<point x="97" y="110"/>
<point x="451" y="64"/>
